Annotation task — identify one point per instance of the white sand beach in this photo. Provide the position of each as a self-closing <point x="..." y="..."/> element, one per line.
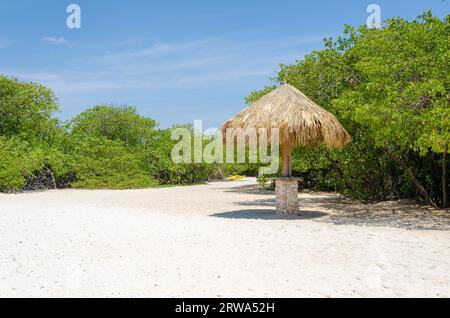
<point x="222" y="239"/>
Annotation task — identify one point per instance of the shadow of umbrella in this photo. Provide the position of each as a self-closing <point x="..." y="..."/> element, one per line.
<point x="263" y="203"/>
<point x="261" y="214"/>
<point x="249" y="189"/>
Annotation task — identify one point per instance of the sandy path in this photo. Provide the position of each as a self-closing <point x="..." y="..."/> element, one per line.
<point x="216" y="240"/>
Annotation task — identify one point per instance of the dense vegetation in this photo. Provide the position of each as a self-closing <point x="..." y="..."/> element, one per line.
<point x="103" y="147"/>
<point x="390" y="90"/>
<point x="388" y="87"/>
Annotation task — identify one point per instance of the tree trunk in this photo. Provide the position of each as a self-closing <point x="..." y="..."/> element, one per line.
<point x="444" y="178"/>
<point x="220" y="170"/>
<point x="335" y="165"/>
<point x="411" y="176"/>
<point x="286" y="157"/>
<point x="52" y="176"/>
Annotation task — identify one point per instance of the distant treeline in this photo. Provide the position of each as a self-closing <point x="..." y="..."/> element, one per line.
<point x="388" y="87"/>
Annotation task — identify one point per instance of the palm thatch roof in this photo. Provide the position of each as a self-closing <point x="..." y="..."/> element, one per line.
<point x="300" y="121"/>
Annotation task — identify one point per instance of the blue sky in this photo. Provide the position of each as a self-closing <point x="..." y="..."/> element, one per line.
<point x="176" y="61"/>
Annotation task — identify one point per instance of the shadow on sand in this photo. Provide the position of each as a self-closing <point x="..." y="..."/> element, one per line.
<point x="341" y="211"/>
<point x="248" y="189"/>
<point x="268" y="215"/>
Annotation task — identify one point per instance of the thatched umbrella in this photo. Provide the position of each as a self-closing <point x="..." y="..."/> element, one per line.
<point x="300" y="122"/>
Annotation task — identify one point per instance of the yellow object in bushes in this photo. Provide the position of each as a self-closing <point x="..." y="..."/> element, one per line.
<point x="234" y="178"/>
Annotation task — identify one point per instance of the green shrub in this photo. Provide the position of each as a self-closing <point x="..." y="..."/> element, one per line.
<point x="107" y="164"/>
<point x="17" y="161"/>
<point x="262" y="181"/>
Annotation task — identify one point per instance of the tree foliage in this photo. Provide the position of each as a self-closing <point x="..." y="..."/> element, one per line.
<point x="390" y="89"/>
<point x="26" y="110"/>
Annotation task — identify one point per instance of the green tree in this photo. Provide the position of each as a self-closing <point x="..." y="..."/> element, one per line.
<point x="26" y="110"/>
<point x="114" y="123"/>
<point x="390" y="89"/>
<point x="403" y="97"/>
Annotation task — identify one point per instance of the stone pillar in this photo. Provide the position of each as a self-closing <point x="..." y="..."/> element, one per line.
<point x="286" y="190"/>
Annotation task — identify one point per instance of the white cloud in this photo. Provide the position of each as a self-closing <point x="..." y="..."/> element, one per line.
<point x="136" y="70"/>
<point x="54" y="40"/>
<point x="157" y="50"/>
<point x="67" y="84"/>
<point x="209" y="55"/>
<point x="38" y="76"/>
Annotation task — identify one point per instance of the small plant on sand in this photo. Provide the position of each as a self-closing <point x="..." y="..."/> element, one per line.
<point x="262" y="181"/>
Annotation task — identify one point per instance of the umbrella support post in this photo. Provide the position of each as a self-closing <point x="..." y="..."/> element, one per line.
<point x="286" y="190"/>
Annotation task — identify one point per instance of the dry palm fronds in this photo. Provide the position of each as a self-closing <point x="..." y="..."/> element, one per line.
<point x="300" y="121"/>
